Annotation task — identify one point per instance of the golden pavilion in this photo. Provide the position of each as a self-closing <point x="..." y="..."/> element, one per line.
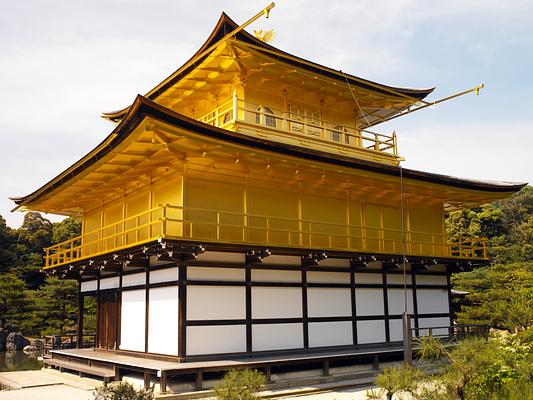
<point x="246" y="209"/>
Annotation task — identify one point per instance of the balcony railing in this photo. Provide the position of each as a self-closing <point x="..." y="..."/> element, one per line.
<point x="205" y="225"/>
<point x="265" y="120"/>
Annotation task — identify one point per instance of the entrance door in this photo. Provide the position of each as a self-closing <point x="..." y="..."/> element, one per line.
<point x="107" y="320"/>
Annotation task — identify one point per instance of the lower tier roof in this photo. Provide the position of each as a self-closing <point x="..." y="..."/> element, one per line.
<point x="143" y="109"/>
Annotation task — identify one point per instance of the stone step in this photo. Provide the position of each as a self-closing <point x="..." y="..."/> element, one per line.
<point x="103" y="372"/>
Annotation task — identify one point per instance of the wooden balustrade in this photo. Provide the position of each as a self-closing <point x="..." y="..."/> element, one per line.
<point x="271" y="119"/>
<point x="196" y="224"/>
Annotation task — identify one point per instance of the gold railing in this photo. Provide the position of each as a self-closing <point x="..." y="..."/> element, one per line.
<point x="263" y="118"/>
<point x="195" y="224"/>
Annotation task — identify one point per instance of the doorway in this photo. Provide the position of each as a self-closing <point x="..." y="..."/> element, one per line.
<point x="107" y="320"/>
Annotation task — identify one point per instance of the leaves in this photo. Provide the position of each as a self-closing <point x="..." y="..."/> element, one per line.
<point x="28" y="300"/>
<point x="122" y="391"/>
<point x="239" y="384"/>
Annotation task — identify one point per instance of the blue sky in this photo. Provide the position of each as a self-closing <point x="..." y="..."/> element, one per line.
<point x="64" y="62"/>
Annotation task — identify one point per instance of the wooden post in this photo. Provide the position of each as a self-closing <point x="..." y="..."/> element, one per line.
<point x="268" y="374"/>
<point x="407" y="344"/>
<point x="325" y="367"/>
<point x="375" y="362"/>
<point x="146" y="379"/>
<point x="235" y="105"/>
<point x="79" y="338"/>
<point x="199" y="379"/>
<point x="163" y="382"/>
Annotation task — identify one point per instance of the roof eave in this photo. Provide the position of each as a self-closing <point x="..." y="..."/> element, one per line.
<point x="143" y="107"/>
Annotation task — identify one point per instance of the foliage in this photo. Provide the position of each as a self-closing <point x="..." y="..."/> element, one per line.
<point x="476" y="368"/>
<point x="508" y="224"/>
<point x="430" y="348"/>
<point x="29" y="300"/>
<point x="55" y="307"/>
<point x="501" y="294"/>
<point x="66" y="229"/>
<point x="7" y="257"/>
<point x="239" y="384"/>
<point x="122" y="391"/>
<point x="13" y="299"/>
<point x="399" y="379"/>
<point x="481" y="369"/>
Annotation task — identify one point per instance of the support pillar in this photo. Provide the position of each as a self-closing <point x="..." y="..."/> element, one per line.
<point x="407" y="343"/>
<point x="325" y="367"/>
<point x="199" y="379"/>
<point x="146" y="380"/>
<point x="79" y="337"/>
<point x="163" y="382"/>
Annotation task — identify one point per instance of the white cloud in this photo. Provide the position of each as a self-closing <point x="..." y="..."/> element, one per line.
<point x="500" y="152"/>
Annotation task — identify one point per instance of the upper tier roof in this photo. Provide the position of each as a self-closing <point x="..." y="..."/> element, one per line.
<point x="226" y="25"/>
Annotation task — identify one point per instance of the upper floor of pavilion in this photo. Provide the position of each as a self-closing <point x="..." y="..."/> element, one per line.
<point x="242" y="84"/>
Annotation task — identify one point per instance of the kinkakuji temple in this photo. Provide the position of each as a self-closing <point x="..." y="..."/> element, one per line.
<point x="245" y="212"/>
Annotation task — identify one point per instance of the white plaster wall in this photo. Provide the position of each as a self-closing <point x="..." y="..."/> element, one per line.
<point x="215" y="302"/>
<point x="132" y="320"/>
<point x="432" y="301"/>
<point x="134" y="279"/>
<point x="375" y="265"/>
<point x="330" y="333"/>
<point x="396" y="301"/>
<point x="276" y="302"/>
<point x="335" y="262"/>
<point x="431" y="280"/>
<point x="397" y="279"/>
<point x="216" y="339"/>
<point x="329" y="302"/>
<point x="361" y="277"/>
<point x="370" y="331"/>
<point x="221" y="256"/>
<point x="109" y="283"/>
<point x="328" y="277"/>
<point x="164" y="275"/>
<point x="282" y="260"/>
<point x="270" y="275"/>
<point x="369" y="301"/>
<point x="215" y="274"/>
<point x="163" y="320"/>
<point x="396" y="329"/>
<point x="433" y="322"/>
<point x="277" y="336"/>
<point x="88" y="286"/>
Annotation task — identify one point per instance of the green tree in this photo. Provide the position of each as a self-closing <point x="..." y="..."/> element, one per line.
<point x="55" y="306"/>
<point x="35" y="233"/>
<point x="122" y="391"/>
<point x="7" y="257"/>
<point x="399" y="379"/>
<point x="499" y="295"/>
<point x="480" y="369"/>
<point x="240" y="384"/>
<point x="67" y="229"/>
<point x="13" y="300"/>
<point x="508" y="224"/>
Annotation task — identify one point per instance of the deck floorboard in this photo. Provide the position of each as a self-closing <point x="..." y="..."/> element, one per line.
<point x="143" y="363"/>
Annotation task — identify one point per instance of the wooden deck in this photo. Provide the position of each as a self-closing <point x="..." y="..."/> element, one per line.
<point x="163" y="369"/>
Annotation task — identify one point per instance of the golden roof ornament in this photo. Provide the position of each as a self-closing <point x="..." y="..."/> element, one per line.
<point x="265" y="36"/>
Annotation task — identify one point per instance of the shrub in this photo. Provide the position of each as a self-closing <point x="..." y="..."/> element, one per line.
<point x="240" y="384"/>
<point x="404" y="378"/>
<point x="122" y="391"/>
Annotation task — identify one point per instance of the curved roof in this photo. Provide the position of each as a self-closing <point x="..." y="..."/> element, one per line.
<point x="226" y="25"/>
<point x="143" y="107"/>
